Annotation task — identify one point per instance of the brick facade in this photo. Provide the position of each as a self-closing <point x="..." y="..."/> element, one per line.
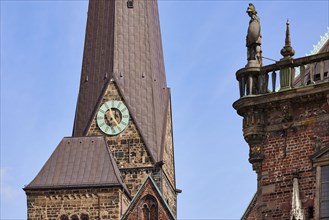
<point x="284" y="130"/>
<point x="287" y="155"/>
<point x="96" y="203"/>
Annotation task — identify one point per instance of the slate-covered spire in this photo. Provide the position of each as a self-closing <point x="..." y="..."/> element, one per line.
<point x="124" y="44"/>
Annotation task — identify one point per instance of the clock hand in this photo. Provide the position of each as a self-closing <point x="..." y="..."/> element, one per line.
<point x="112" y="116"/>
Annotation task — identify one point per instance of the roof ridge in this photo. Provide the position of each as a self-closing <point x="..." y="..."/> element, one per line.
<point x="317" y="47"/>
<point x="164" y="129"/>
<point x="98" y="103"/>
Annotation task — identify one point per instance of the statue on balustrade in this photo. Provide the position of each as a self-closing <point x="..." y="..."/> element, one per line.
<point x="254" y="38"/>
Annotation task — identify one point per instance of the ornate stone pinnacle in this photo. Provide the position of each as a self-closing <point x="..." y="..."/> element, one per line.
<point x="287" y="50"/>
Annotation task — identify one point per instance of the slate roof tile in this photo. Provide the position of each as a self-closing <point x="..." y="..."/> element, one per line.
<point x="79" y="162"/>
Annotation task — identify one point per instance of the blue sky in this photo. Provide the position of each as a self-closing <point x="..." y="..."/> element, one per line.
<point x="204" y="45"/>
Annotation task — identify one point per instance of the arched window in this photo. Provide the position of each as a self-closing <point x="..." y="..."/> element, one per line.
<point x="64" y="217"/>
<point x="84" y="217"/>
<point x="154" y="212"/>
<point x="145" y="213"/>
<point x="74" y="217"/>
<point x="149" y="208"/>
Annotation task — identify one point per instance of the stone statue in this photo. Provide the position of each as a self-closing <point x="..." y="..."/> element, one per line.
<point x="254" y="38"/>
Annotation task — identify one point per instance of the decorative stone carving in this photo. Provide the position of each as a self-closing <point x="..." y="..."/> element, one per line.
<point x="287" y="50"/>
<point x="253" y="131"/>
<point x="287" y="112"/>
<point x="253" y="41"/>
<point x="313" y="110"/>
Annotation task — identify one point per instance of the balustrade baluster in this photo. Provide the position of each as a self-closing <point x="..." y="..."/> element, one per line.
<point x="302" y="75"/>
<point x="312" y="68"/>
<point x="273" y="81"/>
<point x="242" y="87"/>
<point x="266" y="83"/>
<point x="321" y="70"/>
<point x="250" y="84"/>
<point x="292" y="76"/>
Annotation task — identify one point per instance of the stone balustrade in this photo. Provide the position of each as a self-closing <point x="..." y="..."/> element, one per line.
<point x="288" y="73"/>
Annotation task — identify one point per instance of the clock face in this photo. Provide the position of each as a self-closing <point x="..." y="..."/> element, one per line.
<point x="112" y="117"/>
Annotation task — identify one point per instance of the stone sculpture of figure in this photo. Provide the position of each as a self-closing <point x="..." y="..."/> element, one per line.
<point x="253" y="41"/>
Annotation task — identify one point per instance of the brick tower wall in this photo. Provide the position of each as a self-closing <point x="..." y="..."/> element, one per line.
<point x="96" y="203"/>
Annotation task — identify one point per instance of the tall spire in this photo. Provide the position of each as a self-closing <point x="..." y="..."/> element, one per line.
<point x="123" y="43"/>
<point x="287" y="50"/>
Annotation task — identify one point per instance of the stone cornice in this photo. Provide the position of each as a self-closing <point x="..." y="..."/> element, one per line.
<point x="300" y="94"/>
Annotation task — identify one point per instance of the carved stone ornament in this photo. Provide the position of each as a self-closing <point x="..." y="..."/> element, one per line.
<point x="253" y="40"/>
<point x="314" y="110"/>
<point x="256" y="157"/>
<point x="287" y="50"/>
<point x="256" y="149"/>
<point x="286" y="111"/>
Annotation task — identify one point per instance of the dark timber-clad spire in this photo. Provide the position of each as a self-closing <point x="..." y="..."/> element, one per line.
<point x="124" y="44"/>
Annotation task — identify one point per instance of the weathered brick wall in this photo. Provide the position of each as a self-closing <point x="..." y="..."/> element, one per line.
<point x="134" y="178"/>
<point x="127" y="148"/>
<point x="97" y="203"/>
<point x="132" y="157"/>
<point x="287" y="154"/>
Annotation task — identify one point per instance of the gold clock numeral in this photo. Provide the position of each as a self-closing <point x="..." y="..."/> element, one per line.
<point x="101" y="110"/>
<point x="124" y="123"/>
<point x="119" y="105"/>
<point x="125" y="116"/>
<point x="102" y="124"/>
<point x="123" y="110"/>
<point x="107" y="128"/>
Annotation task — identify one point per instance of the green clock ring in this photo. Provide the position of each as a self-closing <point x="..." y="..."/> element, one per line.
<point x="112" y="117"/>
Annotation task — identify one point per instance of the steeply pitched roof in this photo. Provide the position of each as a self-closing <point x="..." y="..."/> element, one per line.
<point x="125" y="44"/>
<point x="78" y="162"/>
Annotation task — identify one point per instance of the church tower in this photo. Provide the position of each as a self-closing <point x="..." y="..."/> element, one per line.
<point x="119" y="162"/>
<point x="285" y="110"/>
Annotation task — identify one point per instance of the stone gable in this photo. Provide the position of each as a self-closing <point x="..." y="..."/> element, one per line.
<point x="148" y="202"/>
<point x="127" y="148"/>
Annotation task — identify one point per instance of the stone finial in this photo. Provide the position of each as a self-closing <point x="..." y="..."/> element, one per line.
<point x="253" y="40"/>
<point x="287" y="50"/>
